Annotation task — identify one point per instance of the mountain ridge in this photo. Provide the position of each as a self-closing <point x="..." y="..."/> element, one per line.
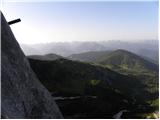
<point x="50" y="56"/>
<point x="118" y="58"/>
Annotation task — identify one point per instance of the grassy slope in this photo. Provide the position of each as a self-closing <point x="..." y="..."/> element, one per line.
<point x="83" y="79"/>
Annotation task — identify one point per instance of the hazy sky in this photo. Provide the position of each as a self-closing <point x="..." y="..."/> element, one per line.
<point x="82" y="21"/>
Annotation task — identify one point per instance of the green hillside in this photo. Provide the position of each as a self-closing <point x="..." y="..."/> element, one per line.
<point x="119" y="60"/>
<point x="128" y="61"/>
<point x="72" y="78"/>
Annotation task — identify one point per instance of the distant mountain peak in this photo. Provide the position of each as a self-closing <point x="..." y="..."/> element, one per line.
<point x="118" y="58"/>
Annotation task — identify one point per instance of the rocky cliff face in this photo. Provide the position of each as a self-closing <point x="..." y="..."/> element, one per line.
<point x="22" y="95"/>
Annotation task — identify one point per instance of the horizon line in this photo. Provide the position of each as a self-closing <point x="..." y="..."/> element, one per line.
<point x="137" y="40"/>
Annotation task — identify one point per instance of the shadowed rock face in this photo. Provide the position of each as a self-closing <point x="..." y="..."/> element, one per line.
<point x="22" y="95"/>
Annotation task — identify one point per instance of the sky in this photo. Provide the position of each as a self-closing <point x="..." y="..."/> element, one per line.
<point x="66" y="21"/>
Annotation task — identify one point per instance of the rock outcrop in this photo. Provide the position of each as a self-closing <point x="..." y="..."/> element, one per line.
<point x="22" y="95"/>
